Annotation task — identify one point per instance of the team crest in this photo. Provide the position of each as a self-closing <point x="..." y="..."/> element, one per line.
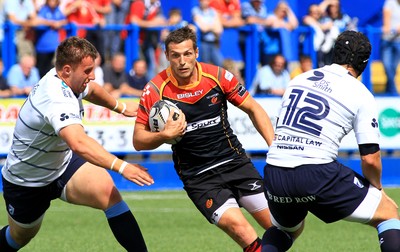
<point x="209" y="203"/>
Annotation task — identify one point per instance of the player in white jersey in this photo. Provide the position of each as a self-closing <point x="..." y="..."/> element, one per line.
<point x="302" y="173"/>
<point x="52" y="157"/>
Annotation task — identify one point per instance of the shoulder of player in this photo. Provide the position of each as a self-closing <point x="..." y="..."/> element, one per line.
<point x="212" y="71"/>
<point x="159" y="80"/>
<point x="55" y="89"/>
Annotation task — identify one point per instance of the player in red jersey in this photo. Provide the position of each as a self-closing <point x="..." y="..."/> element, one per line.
<point x="217" y="174"/>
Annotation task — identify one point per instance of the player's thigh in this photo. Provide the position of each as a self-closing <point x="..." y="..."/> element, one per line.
<point x="92" y="186"/>
<point x="257" y="206"/>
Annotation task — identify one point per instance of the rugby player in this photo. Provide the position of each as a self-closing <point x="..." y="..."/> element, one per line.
<point x="302" y="173"/>
<point x="217" y="174"/>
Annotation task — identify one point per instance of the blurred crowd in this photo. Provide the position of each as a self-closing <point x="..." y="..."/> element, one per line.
<point x="41" y="30"/>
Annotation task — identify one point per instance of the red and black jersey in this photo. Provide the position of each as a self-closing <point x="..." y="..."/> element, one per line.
<point x="209" y="140"/>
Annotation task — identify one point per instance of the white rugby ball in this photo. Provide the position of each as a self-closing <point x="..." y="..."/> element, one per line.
<point x="159" y="114"/>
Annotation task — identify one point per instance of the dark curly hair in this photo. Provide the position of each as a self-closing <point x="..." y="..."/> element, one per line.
<point x="352" y="48"/>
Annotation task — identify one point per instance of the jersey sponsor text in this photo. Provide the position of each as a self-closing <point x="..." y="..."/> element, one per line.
<point x="203" y="124"/>
<point x="287" y="200"/>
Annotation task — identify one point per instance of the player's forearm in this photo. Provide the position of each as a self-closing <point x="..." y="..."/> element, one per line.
<point x="262" y="123"/>
<point x="146" y="140"/>
<point x="372" y="170"/>
<point x="94" y="153"/>
<point x="99" y="96"/>
<point x="264" y="126"/>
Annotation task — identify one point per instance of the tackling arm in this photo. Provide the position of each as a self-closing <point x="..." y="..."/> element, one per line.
<point x="259" y="118"/>
<point x="99" y="96"/>
<point x="90" y="150"/>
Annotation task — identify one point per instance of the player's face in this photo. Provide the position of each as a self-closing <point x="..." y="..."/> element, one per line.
<point x="182" y="59"/>
<point x="81" y="75"/>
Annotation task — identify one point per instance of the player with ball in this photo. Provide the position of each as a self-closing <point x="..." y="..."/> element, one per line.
<point x="217" y="174"/>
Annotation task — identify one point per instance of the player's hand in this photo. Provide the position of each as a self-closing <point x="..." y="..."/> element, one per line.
<point x="175" y="127"/>
<point x="131" y="109"/>
<point x="138" y="175"/>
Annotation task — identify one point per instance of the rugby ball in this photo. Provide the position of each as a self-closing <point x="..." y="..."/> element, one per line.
<point x="159" y="114"/>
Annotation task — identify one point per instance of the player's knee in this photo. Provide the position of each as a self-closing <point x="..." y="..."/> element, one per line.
<point x="108" y="196"/>
<point x="387" y="209"/>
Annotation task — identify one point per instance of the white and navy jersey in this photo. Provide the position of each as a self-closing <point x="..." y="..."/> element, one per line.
<point x="318" y="109"/>
<point x="38" y="155"/>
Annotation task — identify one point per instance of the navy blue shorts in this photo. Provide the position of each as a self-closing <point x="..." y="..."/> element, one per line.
<point x="211" y="189"/>
<point x="330" y="191"/>
<point x="27" y="204"/>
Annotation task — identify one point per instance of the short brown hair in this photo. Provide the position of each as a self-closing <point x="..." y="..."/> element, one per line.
<point x="180" y="35"/>
<point x="72" y="51"/>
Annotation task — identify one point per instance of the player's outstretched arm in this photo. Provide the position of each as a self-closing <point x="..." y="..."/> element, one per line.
<point x="99" y="96"/>
<point x="90" y="150"/>
<point x="259" y="118"/>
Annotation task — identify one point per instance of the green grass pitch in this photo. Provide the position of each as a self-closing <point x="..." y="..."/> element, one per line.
<point x="170" y="223"/>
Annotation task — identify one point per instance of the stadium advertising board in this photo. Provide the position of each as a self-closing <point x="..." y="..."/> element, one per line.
<point x="115" y="131"/>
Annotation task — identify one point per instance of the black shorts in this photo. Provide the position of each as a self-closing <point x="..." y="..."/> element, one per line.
<point x="27" y="204"/>
<point x="211" y="189"/>
<point x="330" y="191"/>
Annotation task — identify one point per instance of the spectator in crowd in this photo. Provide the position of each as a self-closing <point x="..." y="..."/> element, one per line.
<point x="390" y="42"/>
<point x="217" y="174"/>
<point x="175" y="21"/>
<point x="255" y="12"/>
<point x="272" y="78"/>
<point x="5" y="90"/>
<point x="117" y="15"/>
<point x="84" y="13"/>
<point x="23" y="76"/>
<point x="283" y="17"/>
<point x="98" y="70"/>
<point x="148" y="14"/>
<point x="229" y="11"/>
<point x="282" y="22"/>
<point x="22" y="13"/>
<point x="209" y="24"/>
<point x="305" y="64"/>
<point x="97" y="37"/>
<point x="47" y="39"/>
<point x="332" y="16"/>
<point x="324" y="34"/>
<point x="137" y="79"/>
<point x="115" y="75"/>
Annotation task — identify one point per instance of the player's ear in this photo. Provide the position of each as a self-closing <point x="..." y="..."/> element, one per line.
<point x="197" y="52"/>
<point x="67" y="69"/>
